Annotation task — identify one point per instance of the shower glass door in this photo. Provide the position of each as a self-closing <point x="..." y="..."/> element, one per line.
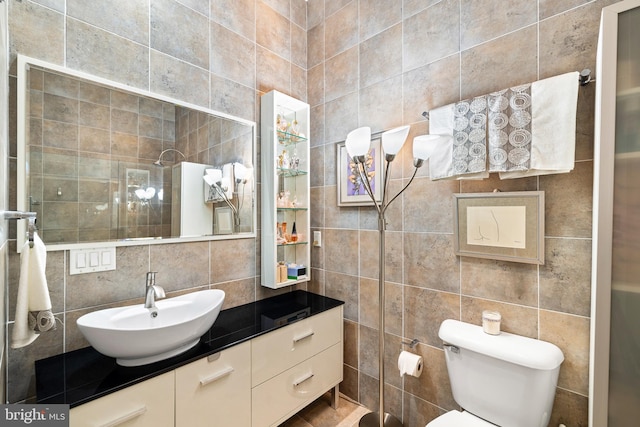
<point x="615" y="393"/>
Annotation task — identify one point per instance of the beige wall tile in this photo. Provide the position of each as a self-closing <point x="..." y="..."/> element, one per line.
<point x="108" y="16"/>
<point x="341" y="117"/>
<point x="191" y="86"/>
<point x="516" y="319"/>
<point x="431" y="34"/>
<point x="381" y="56"/>
<point x="232" y="260"/>
<point x="385" y="114"/>
<point x="553" y="7"/>
<point x="94" y="51"/>
<point x="174" y="264"/>
<point x="504" y="281"/>
<point x="332" y="6"/>
<point x="430" y="86"/>
<point x="273" y="72"/>
<point x="237" y="15"/>
<point x="232" y="56"/>
<point x="341" y="251"/>
<point x="575" y="346"/>
<point x="299" y="46"/>
<point x="341" y="30"/>
<point x="378" y="15"/>
<point x="568" y="202"/>
<point x="417" y="412"/>
<point x="433" y="385"/>
<point x="437" y="196"/>
<point x="512" y="57"/>
<point x="188" y="44"/>
<point x="273" y="30"/>
<point x="484" y="22"/>
<point x="315" y="90"/>
<point x="568" y="41"/>
<point x="341" y="75"/>
<point x="369" y="256"/>
<point x="315" y="46"/>
<point x="30" y="25"/>
<point x="569" y="407"/>
<point x="429" y="262"/>
<point x="565" y="277"/>
<point x="425" y="310"/>
<point x="345" y="288"/>
<point x="369" y="307"/>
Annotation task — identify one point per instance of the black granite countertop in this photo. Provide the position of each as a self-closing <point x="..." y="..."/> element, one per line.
<point x="83" y="375"/>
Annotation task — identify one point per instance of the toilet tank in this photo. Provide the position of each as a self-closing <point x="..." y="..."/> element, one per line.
<point x="506" y="379"/>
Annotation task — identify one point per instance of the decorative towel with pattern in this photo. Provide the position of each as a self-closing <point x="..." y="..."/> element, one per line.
<point x="510" y="129"/>
<point x="469" y="136"/>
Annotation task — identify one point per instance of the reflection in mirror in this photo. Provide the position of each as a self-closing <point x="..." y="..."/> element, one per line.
<point x="107" y="163"/>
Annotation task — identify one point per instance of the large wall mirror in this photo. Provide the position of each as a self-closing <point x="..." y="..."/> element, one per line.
<point x="102" y="163"/>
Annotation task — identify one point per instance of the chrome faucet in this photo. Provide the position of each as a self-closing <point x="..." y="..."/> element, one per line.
<point x="152" y="291"/>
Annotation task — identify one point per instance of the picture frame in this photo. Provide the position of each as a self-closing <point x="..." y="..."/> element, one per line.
<point x="505" y="226"/>
<point x="223" y="220"/>
<point x="350" y="192"/>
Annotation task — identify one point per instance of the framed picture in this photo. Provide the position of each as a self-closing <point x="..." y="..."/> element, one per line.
<point x="503" y="226"/>
<point x="351" y="190"/>
<point x="223" y="221"/>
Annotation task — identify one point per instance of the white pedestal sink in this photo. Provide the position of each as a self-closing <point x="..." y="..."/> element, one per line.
<point x="135" y="335"/>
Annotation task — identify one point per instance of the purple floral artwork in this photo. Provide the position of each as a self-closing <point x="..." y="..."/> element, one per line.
<point x="355" y="185"/>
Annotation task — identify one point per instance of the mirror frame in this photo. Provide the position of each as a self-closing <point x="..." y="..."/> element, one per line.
<point x="24" y="63"/>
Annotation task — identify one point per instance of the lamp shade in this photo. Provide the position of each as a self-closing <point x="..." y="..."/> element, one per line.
<point x="392" y="140"/>
<point x="358" y="141"/>
<point x="239" y="171"/>
<point x="215" y="174"/>
<point x="425" y="145"/>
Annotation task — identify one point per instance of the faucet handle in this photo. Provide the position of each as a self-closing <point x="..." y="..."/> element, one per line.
<point x="151" y="278"/>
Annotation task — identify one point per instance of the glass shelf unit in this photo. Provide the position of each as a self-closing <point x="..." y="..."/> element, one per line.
<point x="285" y="188"/>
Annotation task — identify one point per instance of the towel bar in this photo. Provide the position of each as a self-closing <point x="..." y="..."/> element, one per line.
<point x="30" y="216"/>
<point x="584" y="79"/>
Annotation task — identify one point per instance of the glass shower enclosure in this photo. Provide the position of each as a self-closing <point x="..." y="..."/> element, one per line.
<point x="615" y="341"/>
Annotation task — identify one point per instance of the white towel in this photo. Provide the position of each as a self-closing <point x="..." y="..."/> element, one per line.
<point x="33" y="307"/>
<point x="553" y="126"/>
<point x="442" y="122"/>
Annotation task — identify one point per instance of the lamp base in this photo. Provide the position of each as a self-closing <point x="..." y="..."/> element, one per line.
<point x="372" y="419"/>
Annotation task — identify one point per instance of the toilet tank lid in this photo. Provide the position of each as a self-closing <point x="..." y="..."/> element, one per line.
<point x="529" y="352"/>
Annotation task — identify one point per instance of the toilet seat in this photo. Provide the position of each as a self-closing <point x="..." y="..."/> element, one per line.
<point x="459" y="419"/>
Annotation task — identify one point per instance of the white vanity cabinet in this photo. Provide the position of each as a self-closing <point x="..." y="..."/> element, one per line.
<point x="294" y="365"/>
<point x="257" y="383"/>
<point x="149" y="403"/>
<point x="217" y="387"/>
<point x="285" y="167"/>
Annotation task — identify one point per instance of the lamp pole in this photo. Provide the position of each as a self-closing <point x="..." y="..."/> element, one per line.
<point x="357" y="144"/>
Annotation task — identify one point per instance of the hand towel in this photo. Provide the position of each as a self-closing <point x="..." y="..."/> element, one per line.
<point x="510" y="129"/>
<point x="553" y="126"/>
<point x="33" y="307"/>
<point x="463" y="154"/>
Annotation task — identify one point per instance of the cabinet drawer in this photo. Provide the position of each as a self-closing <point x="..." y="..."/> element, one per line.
<point x="282" y="396"/>
<point x="218" y="390"/>
<point x="149" y="403"/>
<point x="277" y="351"/>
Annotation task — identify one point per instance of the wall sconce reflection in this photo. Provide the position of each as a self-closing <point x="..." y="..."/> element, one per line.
<point x="227" y="185"/>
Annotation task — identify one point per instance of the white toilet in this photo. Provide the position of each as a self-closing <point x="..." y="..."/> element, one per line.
<point x="505" y="380"/>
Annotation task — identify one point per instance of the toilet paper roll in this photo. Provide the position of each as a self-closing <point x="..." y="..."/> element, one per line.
<point x="410" y="364"/>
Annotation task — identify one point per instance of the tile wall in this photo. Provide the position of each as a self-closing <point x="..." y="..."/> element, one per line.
<point x="357" y="62"/>
<point x="381" y="63"/>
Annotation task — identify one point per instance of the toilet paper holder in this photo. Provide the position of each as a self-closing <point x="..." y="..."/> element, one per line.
<point x="414" y="342"/>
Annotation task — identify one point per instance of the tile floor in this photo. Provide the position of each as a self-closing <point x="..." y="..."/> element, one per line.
<point x="321" y="414"/>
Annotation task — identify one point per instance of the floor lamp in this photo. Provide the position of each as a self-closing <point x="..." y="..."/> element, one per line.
<point x="357" y="143"/>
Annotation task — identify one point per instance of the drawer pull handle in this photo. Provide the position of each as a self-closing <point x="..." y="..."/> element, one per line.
<point x="123" y="419"/>
<point x="302" y="337"/>
<point x="216" y="376"/>
<point x="303" y="379"/>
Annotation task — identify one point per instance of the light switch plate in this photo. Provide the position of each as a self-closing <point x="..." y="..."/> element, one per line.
<point x="91" y="260"/>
